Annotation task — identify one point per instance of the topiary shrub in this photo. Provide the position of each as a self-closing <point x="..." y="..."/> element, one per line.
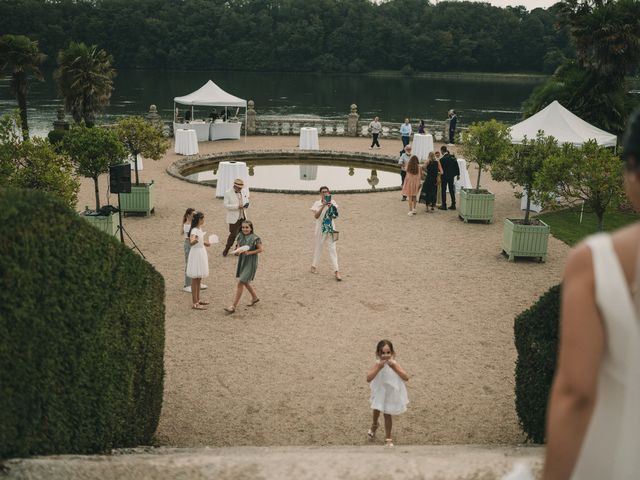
<point x="536" y="338"/>
<point x="81" y="333"/>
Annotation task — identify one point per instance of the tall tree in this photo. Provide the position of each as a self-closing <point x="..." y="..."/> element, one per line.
<point x="20" y="57"/>
<point x="85" y="80"/>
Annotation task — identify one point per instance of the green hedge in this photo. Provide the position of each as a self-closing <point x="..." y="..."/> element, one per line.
<point x="536" y="337"/>
<point x="81" y="333"/>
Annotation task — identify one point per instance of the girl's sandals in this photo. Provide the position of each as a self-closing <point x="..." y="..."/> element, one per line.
<point x="371" y="434"/>
<point x="338" y="277"/>
<point x="388" y="442"/>
<point x="197" y="306"/>
<point x="229" y="309"/>
<point x="314" y="269"/>
<point x="253" y="302"/>
<point x="203" y="303"/>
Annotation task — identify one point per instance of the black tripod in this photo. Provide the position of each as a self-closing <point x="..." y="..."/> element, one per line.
<point x="123" y="232"/>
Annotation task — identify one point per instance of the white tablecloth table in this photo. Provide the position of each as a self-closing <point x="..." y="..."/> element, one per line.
<point x="309" y="138"/>
<point x="227" y="173"/>
<point x="222" y="130"/>
<point x="186" y="142"/>
<point x="533" y="207"/>
<point x="201" y="129"/>
<point x="133" y="164"/>
<point x="422" y="145"/>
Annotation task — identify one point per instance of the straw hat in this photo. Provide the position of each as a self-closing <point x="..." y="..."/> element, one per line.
<point x="238" y="183"/>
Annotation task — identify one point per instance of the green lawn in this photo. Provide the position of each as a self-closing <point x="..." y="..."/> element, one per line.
<point x="565" y="224"/>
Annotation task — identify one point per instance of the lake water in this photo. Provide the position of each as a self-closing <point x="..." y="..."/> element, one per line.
<point x="305" y="95"/>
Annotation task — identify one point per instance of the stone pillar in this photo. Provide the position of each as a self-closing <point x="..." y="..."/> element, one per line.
<point x="60" y="123"/>
<point x="251" y="118"/>
<point x="154" y="118"/>
<point x="352" y="121"/>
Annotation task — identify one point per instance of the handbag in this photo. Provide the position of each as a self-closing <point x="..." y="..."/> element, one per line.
<point x="335" y="235"/>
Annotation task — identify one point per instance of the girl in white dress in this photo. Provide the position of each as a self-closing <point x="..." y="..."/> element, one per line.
<point x="388" y="391"/>
<point x="198" y="262"/>
<point x="593" y="423"/>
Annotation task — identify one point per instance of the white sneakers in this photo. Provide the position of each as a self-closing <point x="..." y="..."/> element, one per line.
<point x="188" y="289"/>
<point x="411" y="213"/>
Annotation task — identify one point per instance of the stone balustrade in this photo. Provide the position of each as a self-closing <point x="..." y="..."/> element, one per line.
<point x="350" y="125"/>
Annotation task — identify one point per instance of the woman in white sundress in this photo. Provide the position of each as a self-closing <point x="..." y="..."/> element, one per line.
<point x="593" y="423"/>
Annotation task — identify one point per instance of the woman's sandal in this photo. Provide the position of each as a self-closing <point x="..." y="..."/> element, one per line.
<point x="371" y="434"/>
<point x="388" y="442"/>
<point x="229" y="309"/>
<point x="314" y="269"/>
<point x="253" y="302"/>
<point x="197" y="306"/>
<point x="203" y="303"/>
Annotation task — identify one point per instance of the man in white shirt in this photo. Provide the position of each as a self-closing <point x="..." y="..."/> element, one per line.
<point x="375" y="127"/>
<point x="325" y="210"/>
<point x="236" y="201"/>
<point x="405" y="132"/>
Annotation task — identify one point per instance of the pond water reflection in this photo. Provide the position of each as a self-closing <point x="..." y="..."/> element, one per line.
<point x="299" y="176"/>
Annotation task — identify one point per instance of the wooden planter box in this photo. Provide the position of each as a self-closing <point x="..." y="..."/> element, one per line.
<point x="476" y="206"/>
<point x="525" y="240"/>
<point x="140" y="200"/>
<point x="106" y="223"/>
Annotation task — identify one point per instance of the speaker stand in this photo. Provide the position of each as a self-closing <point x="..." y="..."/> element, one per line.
<point x="123" y="232"/>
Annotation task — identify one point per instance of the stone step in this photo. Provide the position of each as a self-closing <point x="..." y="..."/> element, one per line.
<point x="468" y="462"/>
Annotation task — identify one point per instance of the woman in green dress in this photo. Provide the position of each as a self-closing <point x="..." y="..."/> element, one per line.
<point x="248" y="246"/>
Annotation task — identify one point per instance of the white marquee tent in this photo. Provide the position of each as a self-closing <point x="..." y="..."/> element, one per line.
<point x="212" y="95"/>
<point x="556" y="121"/>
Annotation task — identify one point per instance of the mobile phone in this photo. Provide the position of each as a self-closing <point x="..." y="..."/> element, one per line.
<point x="327" y="199"/>
<point x="246" y="205"/>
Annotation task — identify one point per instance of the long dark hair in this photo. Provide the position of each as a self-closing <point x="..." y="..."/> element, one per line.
<point x="412" y="167"/>
<point x="381" y="345"/>
<point x="631" y="143"/>
<point x="186" y="214"/>
<point x="195" y="220"/>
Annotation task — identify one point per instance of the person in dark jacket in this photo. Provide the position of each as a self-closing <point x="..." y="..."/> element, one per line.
<point x="453" y="121"/>
<point x="450" y="170"/>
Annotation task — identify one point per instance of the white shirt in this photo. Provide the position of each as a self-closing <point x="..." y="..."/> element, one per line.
<point x="315" y="208"/>
<point x="404" y="159"/>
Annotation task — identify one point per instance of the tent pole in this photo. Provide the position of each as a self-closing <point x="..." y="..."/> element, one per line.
<point x="174" y="112"/>
<point x="245" y="124"/>
<point x="192" y="113"/>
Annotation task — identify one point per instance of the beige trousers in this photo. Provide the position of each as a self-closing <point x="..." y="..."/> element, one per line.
<point x="320" y="240"/>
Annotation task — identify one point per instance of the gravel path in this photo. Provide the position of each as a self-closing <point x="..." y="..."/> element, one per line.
<point x="291" y="371"/>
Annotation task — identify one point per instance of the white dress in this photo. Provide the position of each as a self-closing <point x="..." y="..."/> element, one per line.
<point x="198" y="263"/>
<point x="388" y="392"/>
<point x="611" y="447"/>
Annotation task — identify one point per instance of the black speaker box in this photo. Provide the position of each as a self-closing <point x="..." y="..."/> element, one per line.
<point x="120" y="178"/>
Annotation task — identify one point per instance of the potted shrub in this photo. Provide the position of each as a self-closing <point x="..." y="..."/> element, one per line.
<point x="525" y="237"/>
<point x="590" y="175"/>
<point x="93" y="151"/>
<point x="140" y="138"/>
<point x="484" y="143"/>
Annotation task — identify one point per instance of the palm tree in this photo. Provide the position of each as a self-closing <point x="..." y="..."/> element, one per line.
<point x="20" y="57"/>
<point x="85" y="80"/>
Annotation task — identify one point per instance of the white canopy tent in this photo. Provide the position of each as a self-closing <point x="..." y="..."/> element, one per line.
<point x="556" y="121"/>
<point x="212" y="95"/>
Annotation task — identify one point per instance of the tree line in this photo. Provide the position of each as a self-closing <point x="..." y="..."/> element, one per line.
<point x="297" y="35"/>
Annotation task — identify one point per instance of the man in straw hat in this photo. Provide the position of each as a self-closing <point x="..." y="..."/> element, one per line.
<point x="236" y="201"/>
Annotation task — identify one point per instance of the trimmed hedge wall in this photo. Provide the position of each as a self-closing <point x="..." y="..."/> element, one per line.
<point x="81" y="333"/>
<point x="536" y="337"/>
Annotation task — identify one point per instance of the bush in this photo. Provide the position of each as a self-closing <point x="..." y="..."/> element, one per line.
<point x="56" y="136"/>
<point x="536" y="337"/>
<point x="81" y="333"/>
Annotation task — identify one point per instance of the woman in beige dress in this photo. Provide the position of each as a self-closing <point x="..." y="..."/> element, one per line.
<point x="593" y="423"/>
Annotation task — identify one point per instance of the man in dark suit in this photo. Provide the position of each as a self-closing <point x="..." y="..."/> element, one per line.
<point x="450" y="170"/>
<point x="453" y="121"/>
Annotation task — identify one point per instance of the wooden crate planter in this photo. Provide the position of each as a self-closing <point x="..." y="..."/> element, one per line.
<point x="525" y="240"/>
<point x="140" y="200"/>
<point x="476" y="206"/>
<point x="106" y="223"/>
